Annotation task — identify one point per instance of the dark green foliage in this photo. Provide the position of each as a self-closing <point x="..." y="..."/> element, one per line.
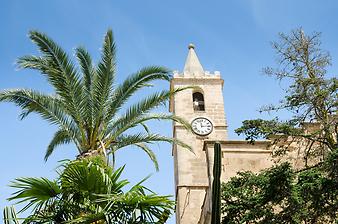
<point x="216" y="185"/>
<point x="319" y="190"/>
<point x="89" y="191"/>
<point x="164" y="217"/>
<point x="254" y="198"/>
<point x="259" y="128"/>
<point x="279" y="195"/>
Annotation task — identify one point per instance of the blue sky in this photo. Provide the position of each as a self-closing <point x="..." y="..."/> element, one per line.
<point x="231" y="36"/>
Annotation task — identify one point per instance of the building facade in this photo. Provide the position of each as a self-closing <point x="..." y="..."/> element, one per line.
<point x="203" y="106"/>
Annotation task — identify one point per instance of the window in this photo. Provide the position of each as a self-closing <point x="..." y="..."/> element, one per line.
<point x="198" y="101"/>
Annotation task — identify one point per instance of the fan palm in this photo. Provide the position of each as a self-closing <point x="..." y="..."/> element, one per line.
<point x="89" y="191"/>
<point x="88" y="106"/>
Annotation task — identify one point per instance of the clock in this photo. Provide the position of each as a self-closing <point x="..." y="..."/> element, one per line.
<point x="201" y="126"/>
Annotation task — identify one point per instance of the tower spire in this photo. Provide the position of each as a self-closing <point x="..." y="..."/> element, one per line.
<point x="192" y="65"/>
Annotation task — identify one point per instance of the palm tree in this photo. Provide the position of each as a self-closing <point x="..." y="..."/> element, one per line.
<point x="88" y="107"/>
<point x="88" y="191"/>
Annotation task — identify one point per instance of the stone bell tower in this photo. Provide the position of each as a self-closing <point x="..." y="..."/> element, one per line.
<point x="203" y="106"/>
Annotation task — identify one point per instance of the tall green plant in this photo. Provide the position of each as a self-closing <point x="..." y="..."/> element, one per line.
<point x="88" y="106"/>
<point x="216" y="185"/>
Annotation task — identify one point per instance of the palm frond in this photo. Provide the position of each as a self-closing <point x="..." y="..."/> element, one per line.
<point x="90" y="218"/>
<point x="39" y="192"/>
<point x="118" y="184"/>
<point x="140" y="120"/>
<point x="61" y="72"/>
<point x="104" y="78"/>
<point x="150" y="154"/>
<point x="132" y="84"/>
<point x="142" y="107"/>
<point x="88" y="72"/>
<point x="60" y="137"/>
<point x="134" y="139"/>
<point x="10" y="216"/>
<point x="164" y="217"/>
<point x="91" y="179"/>
<point x="137" y="206"/>
<point x="145" y="127"/>
<point x="48" y="107"/>
<point x="36" y="63"/>
<point x="86" y="66"/>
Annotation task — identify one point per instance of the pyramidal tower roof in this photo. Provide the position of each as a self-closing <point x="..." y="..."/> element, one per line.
<point x="192" y="65"/>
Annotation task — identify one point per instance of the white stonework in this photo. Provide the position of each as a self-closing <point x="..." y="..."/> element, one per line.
<point x="193" y="169"/>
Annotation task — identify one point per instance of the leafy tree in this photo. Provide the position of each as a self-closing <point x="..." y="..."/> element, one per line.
<point x="286" y="194"/>
<point x="88" y="105"/>
<point x="89" y="191"/>
<point x="311" y="97"/>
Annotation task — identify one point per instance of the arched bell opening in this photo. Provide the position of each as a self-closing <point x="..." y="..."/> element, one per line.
<point x="198" y="101"/>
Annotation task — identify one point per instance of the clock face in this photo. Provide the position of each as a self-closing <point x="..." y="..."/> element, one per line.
<point x="201" y="126"/>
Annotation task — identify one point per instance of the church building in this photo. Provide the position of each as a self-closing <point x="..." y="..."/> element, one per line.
<point x="203" y="107"/>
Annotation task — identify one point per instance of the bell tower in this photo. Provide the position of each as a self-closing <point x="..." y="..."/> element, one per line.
<point x="203" y="106"/>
